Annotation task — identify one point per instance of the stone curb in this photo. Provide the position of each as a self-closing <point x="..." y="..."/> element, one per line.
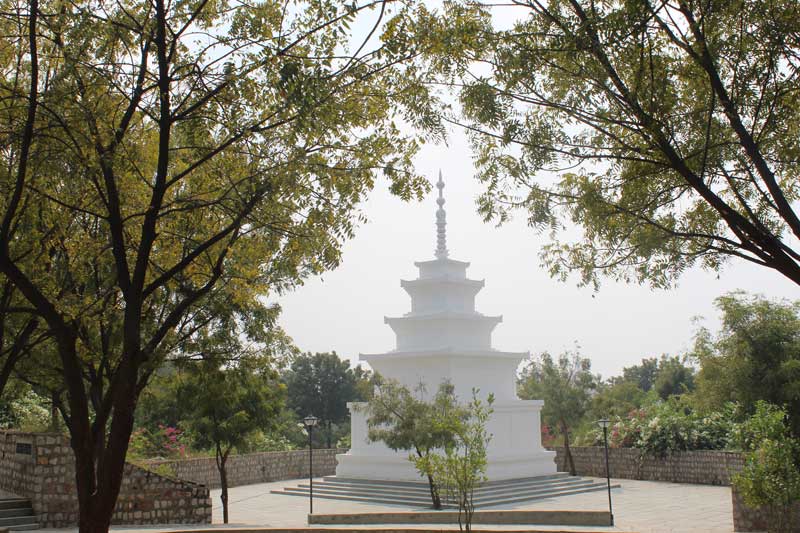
<point x="371" y="530"/>
<point x="524" y="517"/>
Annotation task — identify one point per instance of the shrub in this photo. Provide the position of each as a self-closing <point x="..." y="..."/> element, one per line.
<point x="670" y="426"/>
<point x="165" y="442"/>
<point x="771" y="475"/>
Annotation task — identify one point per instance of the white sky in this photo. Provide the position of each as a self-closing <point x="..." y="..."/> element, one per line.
<point x="343" y="310"/>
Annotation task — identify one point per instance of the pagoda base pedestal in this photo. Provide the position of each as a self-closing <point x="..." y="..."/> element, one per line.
<point x="399" y="468"/>
<point x="514" y="450"/>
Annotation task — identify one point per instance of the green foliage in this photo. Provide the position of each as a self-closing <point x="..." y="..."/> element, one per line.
<point x="227" y="405"/>
<point x="677" y="123"/>
<point x="461" y="467"/>
<point x="668" y="376"/>
<point x="616" y="400"/>
<point x="565" y="386"/>
<point x="674" y="378"/>
<point x="664" y="427"/>
<point x="771" y="475"/>
<point x="159" y="404"/>
<point x="321" y="384"/>
<point x="642" y="375"/>
<point x="755" y="356"/>
<point x="166" y="442"/>
<point x="164" y="469"/>
<point x="409" y="422"/>
<point x="21" y="408"/>
<point x="175" y="165"/>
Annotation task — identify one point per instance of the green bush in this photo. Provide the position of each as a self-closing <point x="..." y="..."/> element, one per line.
<point x="26" y="411"/>
<point x="771" y="475"/>
<point x="671" y="426"/>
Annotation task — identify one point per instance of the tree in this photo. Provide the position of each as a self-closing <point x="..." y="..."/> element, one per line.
<point x="226" y="405"/>
<point x="755" y="356"/>
<point x="674" y="378"/>
<point x="461" y="466"/>
<point x="668" y="376"/>
<point x="616" y="399"/>
<point x="321" y="384"/>
<point x="667" y="131"/>
<point x="407" y="422"/>
<point x="19" y="332"/>
<point x="565" y="386"/>
<point x="162" y="160"/>
<point x="642" y="375"/>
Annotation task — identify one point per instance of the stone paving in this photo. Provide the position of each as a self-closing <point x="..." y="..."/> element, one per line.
<point x="639" y="506"/>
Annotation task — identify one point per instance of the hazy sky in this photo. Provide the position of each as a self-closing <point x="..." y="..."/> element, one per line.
<point x="343" y="310"/>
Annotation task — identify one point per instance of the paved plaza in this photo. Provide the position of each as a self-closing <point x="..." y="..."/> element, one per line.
<point x="639" y="506"/>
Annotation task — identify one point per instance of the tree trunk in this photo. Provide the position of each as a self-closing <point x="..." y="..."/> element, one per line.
<point x="100" y="461"/>
<point x="55" y="415"/>
<point x="222" y="459"/>
<point x="330" y="430"/>
<point x="567" y="451"/>
<point x="435" y="497"/>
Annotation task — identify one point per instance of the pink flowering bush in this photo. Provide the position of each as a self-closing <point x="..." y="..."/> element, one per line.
<point x="166" y="442"/>
<point x="172" y="442"/>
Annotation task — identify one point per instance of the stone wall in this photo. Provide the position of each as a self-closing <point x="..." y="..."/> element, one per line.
<point x="247" y="469"/>
<point x="704" y="467"/>
<point x="41" y="466"/>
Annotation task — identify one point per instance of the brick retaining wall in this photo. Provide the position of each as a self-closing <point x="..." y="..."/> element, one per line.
<point x="703" y="467"/>
<point x="247" y="469"/>
<point x="41" y="466"/>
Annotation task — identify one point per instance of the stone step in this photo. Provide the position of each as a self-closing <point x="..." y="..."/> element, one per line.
<point x="422" y="500"/>
<point x="525" y="487"/>
<point x="421" y="491"/>
<point x="543" y="496"/>
<point x="14" y="503"/>
<point x="351" y="498"/>
<point x="500" y="496"/>
<point x="426" y="504"/>
<point x="423" y="484"/>
<point x="25" y="527"/>
<point x="480" y="497"/>
<point x="16" y="514"/>
<point x="11" y="522"/>
<point x="424" y="492"/>
<point x="413" y="486"/>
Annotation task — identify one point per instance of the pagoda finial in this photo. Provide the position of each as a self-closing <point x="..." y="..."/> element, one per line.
<point x="441" y="224"/>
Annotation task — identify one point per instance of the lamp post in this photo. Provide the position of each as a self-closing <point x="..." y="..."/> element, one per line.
<point x="604" y="424"/>
<point x="309" y="422"/>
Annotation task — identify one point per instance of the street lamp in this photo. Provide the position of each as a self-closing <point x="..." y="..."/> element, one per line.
<point x="604" y="424"/>
<point x="309" y="422"/>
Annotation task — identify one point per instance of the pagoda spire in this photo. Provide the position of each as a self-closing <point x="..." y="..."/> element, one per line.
<point x="441" y="224"/>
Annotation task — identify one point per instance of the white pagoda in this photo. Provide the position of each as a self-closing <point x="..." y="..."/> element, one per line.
<point x="445" y="338"/>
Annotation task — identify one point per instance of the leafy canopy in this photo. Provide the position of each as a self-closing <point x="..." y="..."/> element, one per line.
<point x="565" y="384"/>
<point x="667" y="132"/>
<point x="755" y="356"/>
<point x="321" y="384"/>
